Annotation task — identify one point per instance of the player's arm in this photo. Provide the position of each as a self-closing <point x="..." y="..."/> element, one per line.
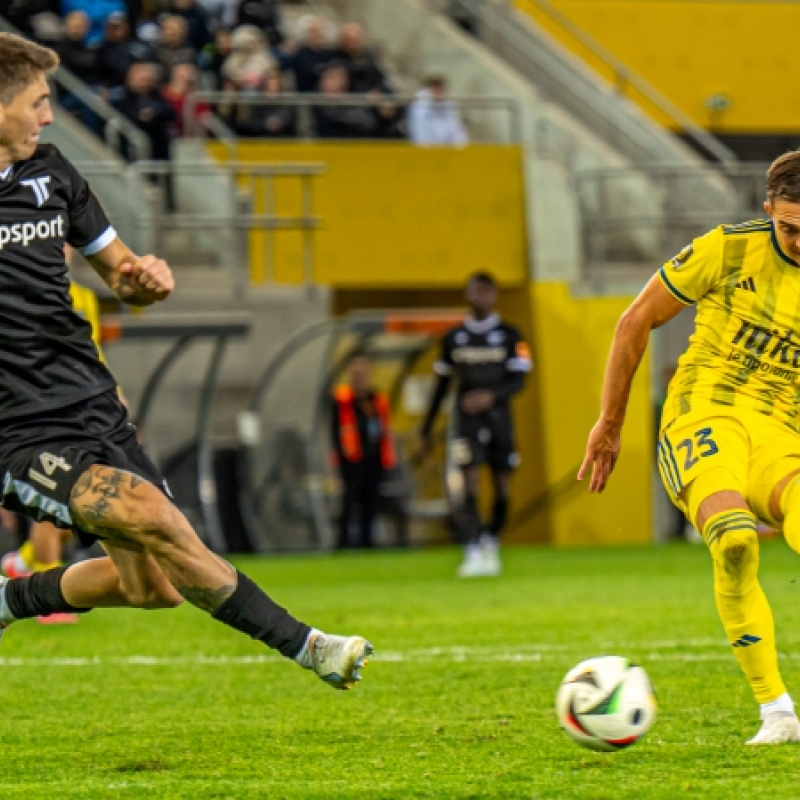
<point x="651" y="309"/>
<point x="136" y="280"/>
<point x="518" y="365"/>
<point x="439" y="393"/>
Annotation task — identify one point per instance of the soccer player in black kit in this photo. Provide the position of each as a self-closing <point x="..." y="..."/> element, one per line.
<point x="68" y="454"/>
<point x="489" y="360"/>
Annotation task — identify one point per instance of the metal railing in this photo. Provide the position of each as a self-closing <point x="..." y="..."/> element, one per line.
<point x="121" y="135"/>
<point x="675" y="205"/>
<point x="570" y="84"/>
<point x="220" y="205"/>
<point x="479" y="114"/>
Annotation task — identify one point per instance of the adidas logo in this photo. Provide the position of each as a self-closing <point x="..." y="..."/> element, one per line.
<point x="749" y="285"/>
<point x="746" y="640"/>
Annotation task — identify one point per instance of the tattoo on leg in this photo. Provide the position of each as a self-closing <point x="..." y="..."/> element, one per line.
<point x="93" y="496"/>
<point x="207" y="599"/>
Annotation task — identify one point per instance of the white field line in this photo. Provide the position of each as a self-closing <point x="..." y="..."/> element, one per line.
<point x="528" y="653"/>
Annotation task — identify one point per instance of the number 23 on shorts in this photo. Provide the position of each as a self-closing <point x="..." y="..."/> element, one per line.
<point x="701" y="445"/>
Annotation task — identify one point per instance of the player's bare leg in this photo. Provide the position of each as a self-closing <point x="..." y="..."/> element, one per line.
<point x="155" y="560"/>
<point x="729" y="529"/>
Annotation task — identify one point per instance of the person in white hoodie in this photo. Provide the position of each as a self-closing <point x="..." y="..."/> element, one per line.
<point x="433" y="119"/>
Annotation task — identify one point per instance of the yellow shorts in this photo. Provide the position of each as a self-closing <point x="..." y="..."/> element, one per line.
<point x="754" y="451"/>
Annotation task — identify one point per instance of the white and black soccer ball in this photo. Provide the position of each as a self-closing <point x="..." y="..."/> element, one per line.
<point x="606" y="703"/>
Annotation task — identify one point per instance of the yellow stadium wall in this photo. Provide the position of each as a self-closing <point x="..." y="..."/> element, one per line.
<point x="690" y="51"/>
<point x="398" y="215"/>
<point x="571" y="339"/>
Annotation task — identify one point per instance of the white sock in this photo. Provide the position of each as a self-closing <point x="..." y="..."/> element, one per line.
<point x="5" y="611"/>
<point x="784" y="703"/>
<point x="303" y="658"/>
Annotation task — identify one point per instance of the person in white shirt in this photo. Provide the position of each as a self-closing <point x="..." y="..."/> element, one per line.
<point x="433" y="118"/>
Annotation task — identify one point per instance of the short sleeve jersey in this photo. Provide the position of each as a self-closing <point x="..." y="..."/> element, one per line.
<point x="47" y="357"/>
<point x="480" y="354"/>
<point x="745" y="349"/>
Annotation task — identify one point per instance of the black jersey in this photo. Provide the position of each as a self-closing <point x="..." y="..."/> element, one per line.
<point x="482" y="353"/>
<point x="47" y="357"/>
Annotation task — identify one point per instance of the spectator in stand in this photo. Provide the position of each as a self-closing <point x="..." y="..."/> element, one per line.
<point x="213" y="57"/>
<point x="433" y="118"/>
<point x="342" y="121"/>
<point x="182" y="82"/>
<point x="174" y="47"/>
<point x="81" y="59"/>
<point x="196" y="16"/>
<point x="119" y="50"/>
<point x="264" y="14"/>
<point x="310" y="59"/>
<point x="362" y="67"/>
<point x="76" y="54"/>
<point x="269" y="121"/>
<point x="249" y="62"/>
<point x="140" y="101"/>
<point x="98" y="12"/>
<point x="366" y="77"/>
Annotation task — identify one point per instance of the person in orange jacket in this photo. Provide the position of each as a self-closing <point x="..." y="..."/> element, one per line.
<point x="362" y="439"/>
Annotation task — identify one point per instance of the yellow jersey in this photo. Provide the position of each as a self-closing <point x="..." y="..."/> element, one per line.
<point x="745" y="348"/>
<point x="84" y="303"/>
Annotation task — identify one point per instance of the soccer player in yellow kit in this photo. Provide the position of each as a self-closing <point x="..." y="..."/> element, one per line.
<point x="729" y="444"/>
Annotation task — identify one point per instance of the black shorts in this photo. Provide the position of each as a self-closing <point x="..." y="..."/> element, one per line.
<point x="486" y="438"/>
<point x="42" y="457"/>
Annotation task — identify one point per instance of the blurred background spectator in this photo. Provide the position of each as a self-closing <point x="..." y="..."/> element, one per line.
<point x="308" y="61"/>
<point x="213" y="57"/>
<point x="98" y="11"/>
<point x="249" y="62"/>
<point x="140" y="101"/>
<point x="433" y="119"/>
<point x="183" y="81"/>
<point x="263" y="14"/>
<point x="266" y="121"/>
<point x="342" y="121"/>
<point x="174" y="46"/>
<point x="197" y="21"/>
<point x="362" y="67"/>
<point x="119" y="50"/>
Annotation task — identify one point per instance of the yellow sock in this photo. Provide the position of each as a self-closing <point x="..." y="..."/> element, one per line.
<point x="26" y="554"/>
<point x="746" y="616"/>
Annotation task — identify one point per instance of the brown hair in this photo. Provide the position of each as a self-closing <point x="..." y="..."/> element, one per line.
<point x="783" y="178"/>
<point x="21" y="62"/>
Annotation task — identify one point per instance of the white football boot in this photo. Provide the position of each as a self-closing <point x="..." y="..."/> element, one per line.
<point x="472" y="566"/>
<point x="339" y="659"/>
<point x="490" y="550"/>
<point x="778" y="728"/>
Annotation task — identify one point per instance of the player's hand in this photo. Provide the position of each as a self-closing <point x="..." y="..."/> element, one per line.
<point x="602" y="452"/>
<point x="148" y="278"/>
<point x="477" y="401"/>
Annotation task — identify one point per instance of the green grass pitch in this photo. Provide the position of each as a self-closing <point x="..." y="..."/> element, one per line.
<point x="457" y="703"/>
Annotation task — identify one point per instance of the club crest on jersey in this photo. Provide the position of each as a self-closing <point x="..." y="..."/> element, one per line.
<point x="39" y="187"/>
<point x="682" y="257"/>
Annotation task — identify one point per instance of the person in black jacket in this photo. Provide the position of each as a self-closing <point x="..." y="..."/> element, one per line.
<point x="119" y="50"/>
<point x="139" y="100"/>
